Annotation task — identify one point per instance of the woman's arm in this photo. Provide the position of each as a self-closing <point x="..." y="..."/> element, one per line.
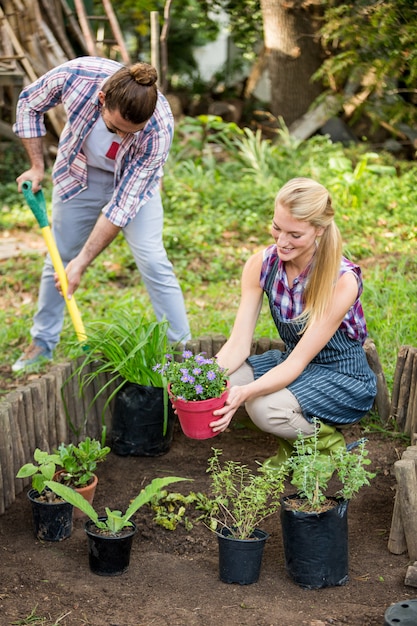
<point x="237" y="348"/>
<point x="313" y="340"/>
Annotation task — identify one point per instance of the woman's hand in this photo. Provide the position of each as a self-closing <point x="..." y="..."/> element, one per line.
<point x="235" y="399"/>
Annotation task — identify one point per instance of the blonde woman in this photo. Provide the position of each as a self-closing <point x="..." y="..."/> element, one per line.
<point x="314" y="298"/>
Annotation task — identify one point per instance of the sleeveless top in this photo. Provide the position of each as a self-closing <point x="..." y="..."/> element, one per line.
<point x="337" y="386"/>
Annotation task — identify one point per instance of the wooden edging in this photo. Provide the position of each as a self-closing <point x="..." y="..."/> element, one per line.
<point x="36" y="416"/>
<point x="404" y="394"/>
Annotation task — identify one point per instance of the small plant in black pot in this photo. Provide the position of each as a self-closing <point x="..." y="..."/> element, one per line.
<point x="122" y="350"/>
<point x="239" y="500"/>
<point x="315" y="523"/>
<point x="110" y="536"/>
<point x="52" y="515"/>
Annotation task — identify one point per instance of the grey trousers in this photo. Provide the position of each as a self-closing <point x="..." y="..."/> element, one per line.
<point x="277" y="413"/>
<point x="72" y="223"/>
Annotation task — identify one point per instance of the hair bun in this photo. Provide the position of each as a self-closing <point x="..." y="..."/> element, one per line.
<point x="144" y="74"/>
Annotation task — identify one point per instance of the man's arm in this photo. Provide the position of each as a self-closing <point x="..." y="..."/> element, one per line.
<point x="101" y="236"/>
<point x="34" y="150"/>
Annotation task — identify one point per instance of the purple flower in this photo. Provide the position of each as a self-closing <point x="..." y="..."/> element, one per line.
<point x="196" y="377"/>
<point x="187" y="378"/>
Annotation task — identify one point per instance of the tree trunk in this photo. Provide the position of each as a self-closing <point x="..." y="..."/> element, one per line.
<point x="294" y="54"/>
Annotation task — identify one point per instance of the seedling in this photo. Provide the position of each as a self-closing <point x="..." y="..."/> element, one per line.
<point x="115" y="520"/>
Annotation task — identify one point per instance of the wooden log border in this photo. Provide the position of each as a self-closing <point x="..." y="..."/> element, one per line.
<point x="404" y="396"/>
<point x="39" y="414"/>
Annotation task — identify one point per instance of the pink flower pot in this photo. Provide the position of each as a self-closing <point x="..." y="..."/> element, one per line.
<point x="195" y="415"/>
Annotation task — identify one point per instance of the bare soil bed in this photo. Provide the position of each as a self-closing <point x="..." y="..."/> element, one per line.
<point x="173" y="575"/>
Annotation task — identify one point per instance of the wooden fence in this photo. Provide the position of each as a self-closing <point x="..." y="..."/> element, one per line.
<point x="51" y="410"/>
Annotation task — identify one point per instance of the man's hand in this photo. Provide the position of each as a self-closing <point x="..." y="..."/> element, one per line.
<point x="34" y="175"/>
<point x="74" y="271"/>
<point x="102" y="234"/>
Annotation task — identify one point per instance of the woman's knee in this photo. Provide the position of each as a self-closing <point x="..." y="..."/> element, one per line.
<point x="284" y="420"/>
<point x="242" y="376"/>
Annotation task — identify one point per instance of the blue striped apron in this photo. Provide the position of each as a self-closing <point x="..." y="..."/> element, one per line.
<point x="337" y="386"/>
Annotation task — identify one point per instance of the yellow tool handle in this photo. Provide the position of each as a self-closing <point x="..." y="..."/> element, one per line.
<point x="60" y="270"/>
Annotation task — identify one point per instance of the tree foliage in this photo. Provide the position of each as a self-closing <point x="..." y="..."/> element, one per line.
<point x="190" y="26"/>
<point x="371" y="47"/>
<point x="370" y="44"/>
<point x="245" y="20"/>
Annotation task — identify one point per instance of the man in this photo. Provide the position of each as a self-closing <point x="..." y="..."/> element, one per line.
<point x="106" y="178"/>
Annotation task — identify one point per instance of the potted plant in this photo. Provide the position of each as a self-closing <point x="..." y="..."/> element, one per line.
<point x="79" y="463"/>
<point x="314" y="524"/>
<point x="197" y="386"/>
<point x="110" y="537"/>
<point x="52" y="516"/>
<point x="239" y="501"/>
<point x="123" y="349"/>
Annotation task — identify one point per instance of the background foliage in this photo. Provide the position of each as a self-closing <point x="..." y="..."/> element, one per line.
<point x="372" y="44"/>
<point x="368" y="45"/>
<point x="218" y="199"/>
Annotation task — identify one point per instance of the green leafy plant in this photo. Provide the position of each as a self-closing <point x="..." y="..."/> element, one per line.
<point x="42" y="471"/>
<point x="198" y="132"/>
<point x="348" y="179"/>
<point x="79" y="462"/>
<point x="124" y="348"/>
<point x="115" y="520"/>
<point x="351" y="470"/>
<point x="171" y="509"/>
<point x="312" y="470"/>
<point x="240" y="499"/>
<point x="195" y="377"/>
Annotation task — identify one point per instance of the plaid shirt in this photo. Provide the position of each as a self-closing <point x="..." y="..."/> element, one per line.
<point x="139" y="160"/>
<point x="289" y="300"/>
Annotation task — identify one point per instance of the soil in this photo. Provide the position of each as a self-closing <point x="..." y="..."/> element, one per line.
<point x="173" y="577"/>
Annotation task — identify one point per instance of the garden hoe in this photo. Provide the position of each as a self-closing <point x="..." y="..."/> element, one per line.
<point x="36" y="202"/>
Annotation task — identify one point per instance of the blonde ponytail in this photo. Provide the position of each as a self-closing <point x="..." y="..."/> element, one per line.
<point x="309" y="201"/>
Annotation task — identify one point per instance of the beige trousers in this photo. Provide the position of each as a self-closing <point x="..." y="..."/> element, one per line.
<point x="277" y="413"/>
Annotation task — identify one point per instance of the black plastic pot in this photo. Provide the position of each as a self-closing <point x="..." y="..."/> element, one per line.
<point x="52" y="521"/>
<point x="402" y="614"/>
<point x="137" y="422"/>
<point x="240" y="560"/>
<point x="316" y="545"/>
<point x="109" y="555"/>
